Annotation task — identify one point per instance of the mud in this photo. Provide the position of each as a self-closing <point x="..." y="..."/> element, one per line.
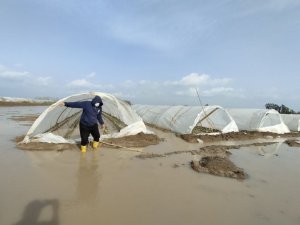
<point x="293" y="143"/>
<point x="214" y="159"/>
<point x="218" y="166"/>
<point x="139" y="140"/>
<point x="25" y="118"/>
<point x="42" y="146"/>
<point x="5" y="104"/>
<point x="133" y="141"/>
<point x="234" y="136"/>
<point x="19" y="138"/>
<point x="211" y="150"/>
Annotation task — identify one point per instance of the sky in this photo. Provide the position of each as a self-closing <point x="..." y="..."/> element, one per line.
<point x="233" y="53"/>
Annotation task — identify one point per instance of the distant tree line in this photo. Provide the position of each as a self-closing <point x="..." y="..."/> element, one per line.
<point x="281" y="109"/>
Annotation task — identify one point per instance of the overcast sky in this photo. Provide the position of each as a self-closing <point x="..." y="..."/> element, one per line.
<point x="236" y="53"/>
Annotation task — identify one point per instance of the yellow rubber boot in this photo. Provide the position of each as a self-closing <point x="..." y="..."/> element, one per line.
<point x="95" y="144"/>
<point x="83" y="148"/>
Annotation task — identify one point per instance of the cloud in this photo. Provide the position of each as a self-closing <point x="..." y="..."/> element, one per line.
<point x="80" y="83"/>
<point x="23" y="77"/>
<point x="159" y="25"/>
<point x="191" y="92"/>
<point x="249" y="7"/>
<point x="181" y="91"/>
<point x="44" y="81"/>
<point x="11" y="74"/>
<point x="86" y="85"/>
<point x="196" y="80"/>
<point x="91" y="75"/>
<point x="218" y="91"/>
<point x="279" y="5"/>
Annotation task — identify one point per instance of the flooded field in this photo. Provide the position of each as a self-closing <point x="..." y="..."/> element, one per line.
<point x="109" y="186"/>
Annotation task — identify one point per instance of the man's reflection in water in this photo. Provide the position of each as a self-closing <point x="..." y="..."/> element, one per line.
<point x="88" y="177"/>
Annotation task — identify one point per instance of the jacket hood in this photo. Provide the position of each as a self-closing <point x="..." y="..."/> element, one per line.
<point x="97" y="99"/>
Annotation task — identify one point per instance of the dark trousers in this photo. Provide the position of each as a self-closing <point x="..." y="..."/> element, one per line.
<point x="85" y="132"/>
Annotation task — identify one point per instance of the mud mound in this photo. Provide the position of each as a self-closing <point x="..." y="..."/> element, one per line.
<point x="19" y="138"/>
<point x="150" y="155"/>
<point x="211" y="150"/>
<point x="217" y="150"/>
<point x="293" y="143"/>
<point x="218" y="166"/>
<point x="234" y="136"/>
<point x="139" y="140"/>
<point x="42" y="146"/>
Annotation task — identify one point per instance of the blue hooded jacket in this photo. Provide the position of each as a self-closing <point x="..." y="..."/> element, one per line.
<point x="91" y="114"/>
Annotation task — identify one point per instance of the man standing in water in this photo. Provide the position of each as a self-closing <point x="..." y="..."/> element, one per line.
<point x="91" y="115"/>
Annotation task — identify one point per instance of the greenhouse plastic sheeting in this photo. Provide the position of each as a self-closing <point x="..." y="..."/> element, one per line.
<point x="55" y="117"/>
<point x="183" y="119"/>
<point x="292" y="121"/>
<point x="263" y="120"/>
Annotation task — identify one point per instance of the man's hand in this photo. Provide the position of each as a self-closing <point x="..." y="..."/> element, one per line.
<point x="61" y="104"/>
<point x="103" y="126"/>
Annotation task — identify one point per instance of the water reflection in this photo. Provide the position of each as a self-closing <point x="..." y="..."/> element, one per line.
<point x="35" y="210"/>
<point x="269" y="151"/>
<point x="88" y="177"/>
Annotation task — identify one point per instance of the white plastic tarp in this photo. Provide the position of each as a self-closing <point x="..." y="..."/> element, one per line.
<point x="262" y="120"/>
<point x="292" y="121"/>
<point x="183" y="119"/>
<point x="56" y="116"/>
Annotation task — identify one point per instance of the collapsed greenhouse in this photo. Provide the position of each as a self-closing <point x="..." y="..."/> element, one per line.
<point x="292" y="121"/>
<point x="262" y="120"/>
<point x="58" y="124"/>
<point x="187" y="119"/>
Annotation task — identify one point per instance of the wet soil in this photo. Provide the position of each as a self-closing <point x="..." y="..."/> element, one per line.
<point x="139" y="140"/>
<point x="25" y="118"/>
<point x="234" y="136"/>
<point x="43" y="146"/>
<point x="218" y="166"/>
<point x="5" y="104"/>
<point x="214" y="159"/>
<point x="293" y="143"/>
<point x="133" y="141"/>
<point x="211" y="150"/>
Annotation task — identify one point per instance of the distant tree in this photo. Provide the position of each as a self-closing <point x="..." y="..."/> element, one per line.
<point x="272" y="106"/>
<point x="281" y="109"/>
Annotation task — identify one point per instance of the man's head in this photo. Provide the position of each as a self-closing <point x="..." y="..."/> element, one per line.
<point x="97" y="101"/>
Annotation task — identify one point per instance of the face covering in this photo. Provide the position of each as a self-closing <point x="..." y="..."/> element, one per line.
<point x="97" y="104"/>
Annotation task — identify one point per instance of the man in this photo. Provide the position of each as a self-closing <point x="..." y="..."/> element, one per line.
<point x="91" y="115"/>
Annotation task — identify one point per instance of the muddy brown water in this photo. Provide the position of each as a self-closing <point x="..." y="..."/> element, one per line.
<point x="115" y="187"/>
